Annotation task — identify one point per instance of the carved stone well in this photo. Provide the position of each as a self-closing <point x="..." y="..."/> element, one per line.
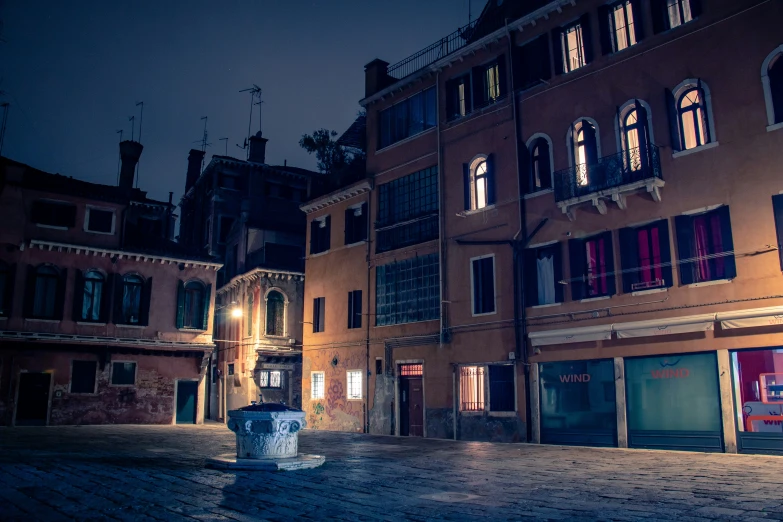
<point x="267" y="439"/>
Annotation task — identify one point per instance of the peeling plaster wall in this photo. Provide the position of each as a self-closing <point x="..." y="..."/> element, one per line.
<point x="382" y="411"/>
<point x="334" y="412"/>
<point x="440" y="423"/>
<point x="491" y="429"/>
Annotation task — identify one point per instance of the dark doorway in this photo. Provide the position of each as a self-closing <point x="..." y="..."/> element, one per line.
<point x="411" y="400"/>
<point x="186" y="402"/>
<point x="32" y="408"/>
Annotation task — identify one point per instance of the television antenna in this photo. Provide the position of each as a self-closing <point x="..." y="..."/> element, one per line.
<point x="255" y="91"/>
<point x="132" y="119"/>
<point x="119" y="158"/>
<point x="141" y="120"/>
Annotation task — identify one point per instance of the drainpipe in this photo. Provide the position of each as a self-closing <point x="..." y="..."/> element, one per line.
<point x="441" y="234"/>
<point x="367" y="326"/>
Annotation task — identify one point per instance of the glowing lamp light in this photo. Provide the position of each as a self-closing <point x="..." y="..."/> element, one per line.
<point x="236" y="312"/>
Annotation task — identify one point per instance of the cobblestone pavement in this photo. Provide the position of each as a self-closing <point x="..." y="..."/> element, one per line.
<point x="158" y="473"/>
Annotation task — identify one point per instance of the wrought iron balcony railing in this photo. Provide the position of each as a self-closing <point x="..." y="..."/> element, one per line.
<point x="625" y="168"/>
<point x="432" y="53"/>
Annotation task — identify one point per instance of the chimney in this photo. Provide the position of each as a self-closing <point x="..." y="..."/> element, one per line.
<point x="257" y="149"/>
<point x="375" y="77"/>
<point x="130" y="152"/>
<point x="195" y="158"/>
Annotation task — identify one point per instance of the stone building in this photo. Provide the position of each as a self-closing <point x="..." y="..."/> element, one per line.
<point x="571" y="234"/>
<point x="103" y="318"/>
<point x="245" y="214"/>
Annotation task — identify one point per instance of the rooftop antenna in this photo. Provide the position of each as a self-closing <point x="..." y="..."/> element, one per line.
<point x="141" y="120"/>
<point x="5" y="106"/>
<point x="204" y="138"/>
<point x="255" y="90"/>
<point x="226" y="140"/>
<point x="132" y="119"/>
<point x="119" y="159"/>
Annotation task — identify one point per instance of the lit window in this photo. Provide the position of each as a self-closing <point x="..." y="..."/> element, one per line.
<point x="573" y="48"/>
<point x="479" y="186"/>
<point x="471" y="388"/>
<point x="621" y="21"/>
<point x="354" y="384"/>
<point x="585" y="147"/>
<point x="270" y="379"/>
<point x="631" y="132"/>
<point x="317" y="385"/>
<point x="492" y="80"/>
<point x="693" y="119"/>
<point x="678" y="12"/>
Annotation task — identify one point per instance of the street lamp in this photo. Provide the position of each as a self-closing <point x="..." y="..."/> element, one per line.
<point x="236" y="312"/>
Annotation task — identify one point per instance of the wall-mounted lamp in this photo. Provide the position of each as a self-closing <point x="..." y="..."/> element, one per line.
<point x="236" y="312"/>
<point x="537" y="351"/>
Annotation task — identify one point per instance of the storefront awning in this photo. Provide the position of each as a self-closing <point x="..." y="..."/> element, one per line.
<point x="770" y="316"/>
<point x="571" y="335"/>
<point x="669" y="326"/>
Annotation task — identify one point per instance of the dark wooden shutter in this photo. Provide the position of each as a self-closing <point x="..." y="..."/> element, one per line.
<point x="502" y="76"/>
<point x="313" y="236"/>
<point x="117" y="294"/>
<point x="674" y="122"/>
<point x="466" y="185"/>
<point x="207" y="301"/>
<point x="468" y="95"/>
<point x="729" y="262"/>
<point x="78" y="295"/>
<point x="316" y="314"/>
<point x="542" y="58"/>
<point x="605" y="30"/>
<point x="29" y="292"/>
<point x="659" y="17"/>
<point x="705" y="114"/>
<point x="328" y="233"/>
<point x="695" y="8"/>
<point x="146" y="301"/>
<point x="59" y="301"/>
<point x="106" y="298"/>
<point x="666" y="252"/>
<point x="501" y="387"/>
<point x="491" y="178"/>
<point x="362" y="223"/>
<point x="777" y="208"/>
<point x="576" y="253"/>
<point x="638" y="19"/>
<point x="179" y="321"/>
<point x="530" y="273"/>
<point x="611" y="277"/>
<point x="8" y="292"/>
<point x="587" y="37"/>
<point x="452" y="98"/>
<point x="478" y="87"/>
<point x="558" y="262"/>
<point x="591" y="143"/>
<point x="685" y="249"/>
<point x="321" y="314"/>
<point x="348" y="229"/>
<point x="557" y="49"/>
<point x="350" y="310"/>
<point x="545" y="168"/>
<point x="644" y="136"/>
<point x="629" y="258"/>
<point x="357" y="308"/>
<point x="488" y="282"/>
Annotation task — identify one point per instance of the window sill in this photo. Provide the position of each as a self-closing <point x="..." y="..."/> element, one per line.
<point x="37" y="320"/>
<point x="186" y="329"/>
<point x="271" y="387"/>
<point x="317" y="254"/>
<point x="471" y="212"/>
<point x="276" y="336"/>
<point x="357" y="243"/>
<point x="775" y="127"/>
<point x="473" y="413"/>
<point x="494" y="312"/>
<point x="591" y="299"/>
<point x="537" y="193"/>
<point x="122" y="385"/>
<point x="502" y="414"/>
<point x="53" y="227"/>
<point x="87" y="323"/>
<point x="650" y="291"/>
<point x="710" y="283"/>
<point x="134" y="326"/>
<point x="546" y="305"/>
<point x="98" y="232"/>
<point x="355" y="400"/>
<point x="681" y="153"/>
<point x="406" y="140"/>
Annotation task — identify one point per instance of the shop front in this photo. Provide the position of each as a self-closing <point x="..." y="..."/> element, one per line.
<point x="673" y="402"/>
<point x="578" y="403"/>
<point x="758" y="399"/>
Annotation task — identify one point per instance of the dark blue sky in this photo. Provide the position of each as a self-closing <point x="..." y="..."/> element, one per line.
<point x="73" y="72"/>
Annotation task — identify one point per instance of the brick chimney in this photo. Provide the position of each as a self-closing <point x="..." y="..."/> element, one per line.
<point x="130" y="152"/>
<point x="195" y="158"/>
<point x="257" y="149"/>
<point x="375" y="77"/>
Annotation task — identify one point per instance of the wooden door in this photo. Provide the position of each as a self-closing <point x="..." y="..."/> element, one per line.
<point x="411" y="407"/>
<point x="32" y="408"/>
<point x="186" y="402"/>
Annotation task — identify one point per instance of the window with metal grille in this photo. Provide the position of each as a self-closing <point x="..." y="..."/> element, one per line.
<point x="482" y="275"/>
<point x="411" y="370"/>
<point x="355" y="309"/>
<point x="270" y="379"/>
<point x="319" y="314"/>
<point x="471" y="388"/>
<point x="501" y="387"/>
<point x="317" y="385"/>
<point x="83" y="376"/>
<point x="354" y="384"/>
<point x="407" y="291"/>
<point x="408" y="210"/>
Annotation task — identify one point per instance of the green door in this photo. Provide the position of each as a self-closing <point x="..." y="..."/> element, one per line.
<point x="186" y="402"/>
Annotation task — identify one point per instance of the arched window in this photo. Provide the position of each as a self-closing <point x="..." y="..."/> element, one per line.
<point x="585" y="149"/>
<point x="540" y="164"/>
<point x="634" y="137"/>
<point x="275" y="313"/>
<point x="194" y="306"/>
<point x="132" y="286"/>
<point x="692" y="115"/>
<point x="92" y="296"/>
<point x="45" y="297"/>
<point x="479" y="185"/>
<point x="772" y="82"/>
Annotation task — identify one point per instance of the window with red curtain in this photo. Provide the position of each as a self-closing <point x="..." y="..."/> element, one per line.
<point x="595" y="249"/>
<point x="649" y="246"/>
<point x="708" y="243"/>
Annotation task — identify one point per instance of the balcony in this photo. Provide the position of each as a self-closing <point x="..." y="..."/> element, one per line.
<point x="610" y="178"/>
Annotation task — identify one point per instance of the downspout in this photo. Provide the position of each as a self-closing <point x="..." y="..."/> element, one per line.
<point x="367" y="336"/>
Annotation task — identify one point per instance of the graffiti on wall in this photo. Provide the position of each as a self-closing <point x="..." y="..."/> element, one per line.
<point x="335" y="411"/>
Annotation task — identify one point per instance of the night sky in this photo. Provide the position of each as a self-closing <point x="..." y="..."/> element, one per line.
<point x="73" y="72"/>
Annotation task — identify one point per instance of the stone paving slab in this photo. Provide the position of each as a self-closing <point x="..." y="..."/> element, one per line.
<point x="158" y="473"/>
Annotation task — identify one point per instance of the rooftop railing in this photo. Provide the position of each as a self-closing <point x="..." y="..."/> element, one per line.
<point x="432" y="53"/>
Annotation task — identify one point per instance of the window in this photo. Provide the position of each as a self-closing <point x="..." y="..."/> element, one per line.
<point x="275" y="313"/>
<point x="777" y="206"/>
<point x="99" y="221"/>
<point x="355" y="309"/>
<point x="482" y="277"/>
<point x="584" y="145"/>
<point x="320" y="231"/>
<point x="489" y="82"/>
<point x="501" y="387"/>
<point x="319" y="314"/>
<point x="646" y="257"/>
<point x="458" y="101"/>
<point x="378" y="366"/>
<point x="89" y="301"/>
<point x="123" y="373"/>
<point x="572" y="46"/>
<point x="225" y="223"/>
<point x="214" y="374"/>
<point x="706" y="246"/>
<point x="356" y="224"/>
<point x="693" y="119"/>
<point x="668" y="14"/>
<point x="772" y="82"/>
<point x="534" y="64"/>
<point x="7" y="274"/>
<point x="317" y="385"/>
<point x="621" y="26"/>
<point x="678" y="12"/>
<point x="53" y="214"/>
<point x="471" y="388"/>
<point x="83" y="376"/>
<point x="130" y="308"/>
<point x="45" y="292"/>
<point x="354" y="378"/>
<point x="249" y="314"/>
<point x="544" y="272"/>
<point x="228" y="181"/>
<point x="540" y="164"/>
<point x="270" y="379"/>
<point x="408" y="117"/>
<point x="407" y="210"/>
<point x="407" y="291"/>
<point x="479" y="183"/>
<point x="592" y="267"/>
<point x="193" y="300"/>
<point x="231" y="368"/>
